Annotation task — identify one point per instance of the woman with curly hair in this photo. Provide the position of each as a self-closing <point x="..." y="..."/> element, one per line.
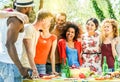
<point x="109" y="40"/>
<point x="69" y="47"/>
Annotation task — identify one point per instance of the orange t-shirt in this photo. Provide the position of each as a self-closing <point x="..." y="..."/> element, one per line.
<point x="43" y="48"/>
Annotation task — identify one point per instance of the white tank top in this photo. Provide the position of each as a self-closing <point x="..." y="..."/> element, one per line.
<point x="4" y="57"/>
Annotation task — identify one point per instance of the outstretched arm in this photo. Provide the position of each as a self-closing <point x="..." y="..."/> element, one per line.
<point x="22" y="17"/>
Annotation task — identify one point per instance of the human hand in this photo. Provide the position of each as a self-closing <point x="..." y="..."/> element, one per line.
<point x="35" y="74"/>
<point x="24" y="18"/>
<point x="54" y="73"/>
<point x="25" y="72"/>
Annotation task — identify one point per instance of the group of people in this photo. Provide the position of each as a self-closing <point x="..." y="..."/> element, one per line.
<point x="32" y="49"/>
<point x="95" y="43"/>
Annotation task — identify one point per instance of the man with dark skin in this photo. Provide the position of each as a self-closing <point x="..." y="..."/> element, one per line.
<point x="60" y="21"/>
<point x="11" y="45"/>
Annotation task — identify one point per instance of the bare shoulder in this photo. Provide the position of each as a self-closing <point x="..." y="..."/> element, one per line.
<point x="117" y="39"/>
<point x="15" y="23"/>
<point x="14" y="20"/>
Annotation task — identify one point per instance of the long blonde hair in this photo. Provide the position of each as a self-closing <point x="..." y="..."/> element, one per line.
<point x="114" y="24"/>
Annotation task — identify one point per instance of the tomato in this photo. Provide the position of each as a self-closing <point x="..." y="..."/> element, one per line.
<point x="81" y="75"/>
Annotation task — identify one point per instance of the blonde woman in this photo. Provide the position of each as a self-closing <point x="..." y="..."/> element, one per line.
<point x="109" y="39"/>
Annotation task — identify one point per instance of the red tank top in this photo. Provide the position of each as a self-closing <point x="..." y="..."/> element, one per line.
<point x="43" y="48"/>
<point x="106" y="50"/>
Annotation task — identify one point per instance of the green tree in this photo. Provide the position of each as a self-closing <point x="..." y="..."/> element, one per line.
<point x="110" y="10"/>
<point x="98" y="11"/>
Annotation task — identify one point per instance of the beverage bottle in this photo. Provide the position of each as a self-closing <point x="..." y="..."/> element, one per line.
<point x="104" y="66"/>
<point x="68" y="69"/>
<point x="116" y="64"/>
<point x="65" y="71"/>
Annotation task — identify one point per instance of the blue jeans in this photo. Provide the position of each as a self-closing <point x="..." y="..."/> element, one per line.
<point x="9" y="73"/>
<point x="110" y="69"/>
<point x="41" y="68"/>
<point x="49" y="68"/>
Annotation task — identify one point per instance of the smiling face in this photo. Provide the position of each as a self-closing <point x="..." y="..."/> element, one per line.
<point x="60" y="20"/>
<point x="90" y="26"/>
<point x="108" y="29"/>
<point x="70" y="34"/>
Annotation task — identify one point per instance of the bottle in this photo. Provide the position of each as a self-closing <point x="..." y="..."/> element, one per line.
<point x="116" y="64"/>
<point x="65" y="71"/>
<point x="104" y="66"/>
<point x="68" y="69"/>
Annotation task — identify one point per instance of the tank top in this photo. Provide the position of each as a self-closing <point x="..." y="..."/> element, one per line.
<point x="106" y="50"/>
<point x="43" y="48"/>
<point x="4" y="56"/>
<point x="72" y="56"/>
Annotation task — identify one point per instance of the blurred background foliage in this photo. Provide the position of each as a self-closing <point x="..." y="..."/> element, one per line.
<point x="77" y="10"/>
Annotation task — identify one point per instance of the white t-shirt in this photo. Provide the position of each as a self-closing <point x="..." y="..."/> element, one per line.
<point x="32" y="34"/>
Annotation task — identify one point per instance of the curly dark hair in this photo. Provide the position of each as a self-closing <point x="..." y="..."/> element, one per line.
<point x="67" y="26"/>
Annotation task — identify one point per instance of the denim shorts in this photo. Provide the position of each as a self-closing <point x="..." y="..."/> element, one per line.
<point x="9" y="73"/>
<point x="41" y="68"/>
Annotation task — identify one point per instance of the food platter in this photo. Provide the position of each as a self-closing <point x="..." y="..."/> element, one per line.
<point x="85" y="75"/>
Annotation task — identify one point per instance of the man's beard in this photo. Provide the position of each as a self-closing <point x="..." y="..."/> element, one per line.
<point x="60" y="27"/>
<point x="31" y="16"/>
